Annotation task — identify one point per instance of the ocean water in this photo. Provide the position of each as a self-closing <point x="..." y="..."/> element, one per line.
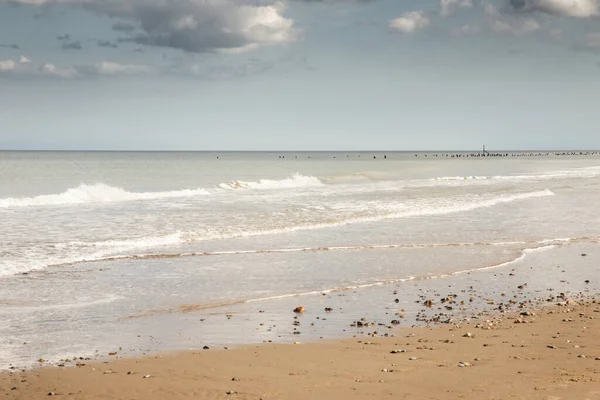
<point x="142" y="250"/>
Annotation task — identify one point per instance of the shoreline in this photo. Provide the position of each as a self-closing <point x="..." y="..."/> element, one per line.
<point x="540" y="352"/>
<point x="330" y="316"/>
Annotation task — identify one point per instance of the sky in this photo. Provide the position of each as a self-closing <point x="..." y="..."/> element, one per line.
<point x="299" y="74"/>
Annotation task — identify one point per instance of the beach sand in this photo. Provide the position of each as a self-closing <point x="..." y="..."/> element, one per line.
<point x="554" y="354"/>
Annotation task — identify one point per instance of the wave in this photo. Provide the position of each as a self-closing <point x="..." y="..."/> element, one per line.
<point x="103" y="193"/>
<point x="98" y="193"/>
<point x="354" y="286"/>
<point x="462" y="178"/>
<point x="293" y="182"/>
<point x="587" y="172"/>
<point x="79" y="251"/>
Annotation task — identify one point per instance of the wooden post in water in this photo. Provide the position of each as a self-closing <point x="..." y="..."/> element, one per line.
<point x="485" y="153"/>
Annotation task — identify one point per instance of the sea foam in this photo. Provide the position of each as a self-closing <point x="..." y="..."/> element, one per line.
<point x="98" y="193"/>
<point x="295" y="181"/>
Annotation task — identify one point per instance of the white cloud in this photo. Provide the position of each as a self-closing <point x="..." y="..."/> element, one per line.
<point x="410" y="22"/>
<point x="112" y="68"/>
<point x="8" y="65"/>
<point x="566" y="8"/>
<point x="194" y="25"/>
<point x="53" y="70"/>
<point x="15" y="66"/>
<point x="25" y="67"/>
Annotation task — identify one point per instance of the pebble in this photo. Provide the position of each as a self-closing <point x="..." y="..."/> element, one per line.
<point x="551" y="346"/>
<point x="597" y="358"/>
<point x="50" y="393"/>
<point x="299" y="310"/>
<point x="464" y="364"/>
<point x="412" y="358"/>
<point x="581" y="356"/>
<point x="468" y="334"/>
<point x="147" y="376"/>
<point x="398" y="351"/>
<point x="230" y="392"/>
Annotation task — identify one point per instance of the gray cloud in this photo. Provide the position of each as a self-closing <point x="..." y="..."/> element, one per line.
<point x="124" y="26"/>
<point x="106" y="43"/>
<point x="193" y="26"/>
<point x="74" y="45"/>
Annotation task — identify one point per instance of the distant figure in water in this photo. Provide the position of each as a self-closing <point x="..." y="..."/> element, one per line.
<point x="384" y="156"/>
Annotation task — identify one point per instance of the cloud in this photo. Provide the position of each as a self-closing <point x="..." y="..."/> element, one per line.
<point x="52" y="70"/>
<point x="14" y="65"/>
<point x="25" y="67"/>
<point x="74" y="45"/>
<point x="446" y="6"/>
<point x="515" y="26"/>
<point x="106" y="43"/>
<point x="496" y="22"/>
<point x="593" y="40"/>
<point x="9" y="46"/>
<point x="123" y="26"/>
<point x="114" y="69"/>
<point x="193" y="26"/>
<point x="565" y="8"/>
<point x="410" y="22"/>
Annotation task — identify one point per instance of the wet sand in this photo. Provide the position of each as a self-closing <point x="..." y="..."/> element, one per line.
<point x="547" y="353"/>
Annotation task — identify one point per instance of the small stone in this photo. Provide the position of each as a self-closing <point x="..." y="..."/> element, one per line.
<point x="384" y="370"/>
<point x="299" y="310"/>
<point x="147" y="376"/>
<point x="551" y="346"/>
<point x="463" y="364"/>
<point x="468" y="334"/>
<point x="230" y="392"/>
<point x="597" y="358"/>
<point x="398" y="351"/>
<point x="412" y="358"/>
<point x="205" y="348"/>
<point x="581" y="356"/>
<point x="129" y="372"/>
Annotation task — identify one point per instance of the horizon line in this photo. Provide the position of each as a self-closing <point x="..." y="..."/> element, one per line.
<point x="294" y="151"/>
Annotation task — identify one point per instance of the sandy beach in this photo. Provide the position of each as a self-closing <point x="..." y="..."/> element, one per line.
<point x="551" y="353"/>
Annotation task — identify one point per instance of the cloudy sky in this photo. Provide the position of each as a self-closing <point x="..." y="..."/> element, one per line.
<point x="299" y="74"/>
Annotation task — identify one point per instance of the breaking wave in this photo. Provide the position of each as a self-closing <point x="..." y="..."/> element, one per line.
<point x="293" y="182"/>
<point x="98" y="193"/>
<point x="102" y="193"/>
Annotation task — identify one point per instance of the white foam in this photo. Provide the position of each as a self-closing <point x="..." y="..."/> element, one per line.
<point x="78" y="251"/>
<point x="98" y="193"/>
<point x="293" y="182"/>
<point x="587" y="172"/>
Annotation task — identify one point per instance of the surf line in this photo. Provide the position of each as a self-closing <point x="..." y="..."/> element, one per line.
<point x="158" y="256"/>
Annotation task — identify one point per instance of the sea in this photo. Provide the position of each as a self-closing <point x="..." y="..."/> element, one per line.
<point x="145" y="252"/>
